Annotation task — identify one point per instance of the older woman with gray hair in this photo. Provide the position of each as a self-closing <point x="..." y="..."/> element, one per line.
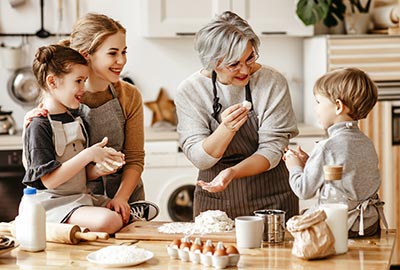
<point x="235" y="119"/>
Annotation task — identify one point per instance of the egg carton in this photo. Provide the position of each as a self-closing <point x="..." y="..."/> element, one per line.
<point x="187" y="251"/>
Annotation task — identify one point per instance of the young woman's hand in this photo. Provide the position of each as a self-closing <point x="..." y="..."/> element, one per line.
<point x="234" y="117"/>
<point x="35" y="112"/>
<point x="120" y="206"/>
<point x="220" y="182"/>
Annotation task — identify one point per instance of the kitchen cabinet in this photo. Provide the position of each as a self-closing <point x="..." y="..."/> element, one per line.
<point x="176" y="18"/>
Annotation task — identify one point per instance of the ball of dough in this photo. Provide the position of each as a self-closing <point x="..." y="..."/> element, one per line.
<point x="247" y="104"/>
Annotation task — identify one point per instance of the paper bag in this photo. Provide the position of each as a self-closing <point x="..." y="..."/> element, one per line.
<point x="313" y="238"/>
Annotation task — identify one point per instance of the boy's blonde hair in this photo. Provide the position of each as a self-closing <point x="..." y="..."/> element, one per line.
<point x="352" y="86"/>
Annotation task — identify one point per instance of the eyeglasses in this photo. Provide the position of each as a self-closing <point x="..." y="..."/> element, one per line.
<point x="238" y="65"/>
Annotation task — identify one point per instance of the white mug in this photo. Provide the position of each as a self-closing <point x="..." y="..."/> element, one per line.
<point x="249" y="231"/>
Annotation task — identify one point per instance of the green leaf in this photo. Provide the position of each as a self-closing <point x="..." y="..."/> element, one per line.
<point x="312" y="11"/>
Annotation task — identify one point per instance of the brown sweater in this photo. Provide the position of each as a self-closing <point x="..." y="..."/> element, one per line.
<point x="132" y="106"/>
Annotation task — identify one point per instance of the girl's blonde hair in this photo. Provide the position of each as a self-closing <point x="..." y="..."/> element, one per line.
<point x="55" y="59"/>
<point x="353" y="87"/>
<point x="90" y="31"/>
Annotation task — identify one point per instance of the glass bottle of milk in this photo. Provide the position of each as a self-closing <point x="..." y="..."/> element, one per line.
<point x="334" y="202"/>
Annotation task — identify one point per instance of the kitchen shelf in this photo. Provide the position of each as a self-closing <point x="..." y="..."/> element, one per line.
<point x="27" y="35"/>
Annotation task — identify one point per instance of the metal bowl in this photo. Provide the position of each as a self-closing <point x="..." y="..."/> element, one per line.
<point x="23" y="87"/>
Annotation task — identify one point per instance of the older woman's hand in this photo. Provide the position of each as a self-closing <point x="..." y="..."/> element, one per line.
<point x="234" y="116"/>
<point x="220" y="182"/>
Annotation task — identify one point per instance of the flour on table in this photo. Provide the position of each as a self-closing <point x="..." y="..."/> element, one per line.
<point x="212" y="221"/>
<point x="120" y="254"/>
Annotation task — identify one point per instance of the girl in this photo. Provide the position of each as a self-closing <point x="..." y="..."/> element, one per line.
<point x="114" y="109"/>
<point x="55" y="146"/>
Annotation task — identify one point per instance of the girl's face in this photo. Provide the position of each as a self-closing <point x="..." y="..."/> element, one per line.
<point x="239" y="73"/>
<point x="326" y="111"/>
<point x="109" y="59"/>
<point x="69" y="88"/>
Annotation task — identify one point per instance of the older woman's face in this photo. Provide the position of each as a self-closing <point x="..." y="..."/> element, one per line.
<point x="238" y="74"/>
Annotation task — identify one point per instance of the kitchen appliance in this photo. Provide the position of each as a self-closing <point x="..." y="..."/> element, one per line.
<point x="11" y="187"/>
<point x="7" y="123"/>
<point x="23" y="87"/>
<point x="169" y="180"/>
<point x="382" y="126"/>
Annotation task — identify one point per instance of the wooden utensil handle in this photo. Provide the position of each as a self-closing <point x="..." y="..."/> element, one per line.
<point x="88" y="236"/>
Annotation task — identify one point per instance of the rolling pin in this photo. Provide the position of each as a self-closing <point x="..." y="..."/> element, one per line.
<point x="61" y="233"/>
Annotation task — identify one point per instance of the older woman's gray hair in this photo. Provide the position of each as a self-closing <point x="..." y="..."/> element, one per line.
<point x="224" y="39"/>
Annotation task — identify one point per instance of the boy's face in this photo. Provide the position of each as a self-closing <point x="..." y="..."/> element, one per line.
<point x="326" y="111"/>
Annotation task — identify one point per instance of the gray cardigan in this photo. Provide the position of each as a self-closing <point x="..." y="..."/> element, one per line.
<point x="271" y="103"/>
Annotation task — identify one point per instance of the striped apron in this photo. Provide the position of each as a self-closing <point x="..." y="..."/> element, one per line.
<point x="108" y="120"/>
<point x="267" y="190"/>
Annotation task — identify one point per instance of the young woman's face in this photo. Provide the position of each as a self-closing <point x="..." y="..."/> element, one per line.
<point x="69" y="88"/>
<point x="325" y="110"/>
<point x="239" y="73"/>
<point x="109" y="59"/>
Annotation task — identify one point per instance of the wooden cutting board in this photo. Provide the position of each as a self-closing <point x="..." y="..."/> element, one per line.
<point x="143" y="230"/>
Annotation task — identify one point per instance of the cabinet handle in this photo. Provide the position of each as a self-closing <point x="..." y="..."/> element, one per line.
<point x="185" y="33"/>
<point x="274" y="33"/>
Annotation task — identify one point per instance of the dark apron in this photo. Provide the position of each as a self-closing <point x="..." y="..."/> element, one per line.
<point x="267" y="190"/>
<point x="108" y="120"/>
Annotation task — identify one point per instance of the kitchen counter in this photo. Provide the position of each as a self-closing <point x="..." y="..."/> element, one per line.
<point x="367" y="254"/>
<point x="14" y="142"/>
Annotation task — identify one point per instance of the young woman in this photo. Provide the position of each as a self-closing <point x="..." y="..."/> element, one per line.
<point x="113" y="109"/>
<point x="55" y="146"/>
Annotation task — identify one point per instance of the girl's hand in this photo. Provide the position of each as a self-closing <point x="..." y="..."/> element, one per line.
<point x="219" y="183"/>
<point x="35" y="112"/>
<point x="234" y="117"/>
<point x="120" y="206"/>
<point x="110" y="159"/>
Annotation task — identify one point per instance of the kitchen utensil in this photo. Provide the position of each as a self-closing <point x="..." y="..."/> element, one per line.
<point x="249" y="231"/>
<point x="11" y="57"/>
<point x="274" y="224"/>
<point x="61" y="233"/>
<point x="7" y="123"/>
<point x="42" y="33"/>
<point x="148" y="230"/>
<point x="23" y="87"/>
<point x="16" y="3"/>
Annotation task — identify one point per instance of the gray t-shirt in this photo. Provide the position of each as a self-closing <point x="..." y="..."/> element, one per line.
<point x="271" y="103"/>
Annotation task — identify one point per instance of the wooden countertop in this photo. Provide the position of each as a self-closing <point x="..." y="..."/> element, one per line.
<point x="367" y="254"/>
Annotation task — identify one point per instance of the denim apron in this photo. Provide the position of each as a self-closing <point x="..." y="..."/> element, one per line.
<point x="108" y="120"/>
<point x="267" y="190"/>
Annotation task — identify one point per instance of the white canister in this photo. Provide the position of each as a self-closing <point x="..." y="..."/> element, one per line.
<point x="30" y="224"/>
<point x="11" y="57"/>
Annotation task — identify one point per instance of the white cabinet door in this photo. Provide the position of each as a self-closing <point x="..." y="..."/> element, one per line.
<point x="175" y="18"/>
<point x="272" y="17"/>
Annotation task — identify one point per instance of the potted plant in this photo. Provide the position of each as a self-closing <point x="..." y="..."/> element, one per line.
<point x="357" y="21"/>
<point x="331" y="12"/>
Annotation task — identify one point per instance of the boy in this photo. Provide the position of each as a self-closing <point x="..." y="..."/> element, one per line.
<point x="343" y="97"/>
